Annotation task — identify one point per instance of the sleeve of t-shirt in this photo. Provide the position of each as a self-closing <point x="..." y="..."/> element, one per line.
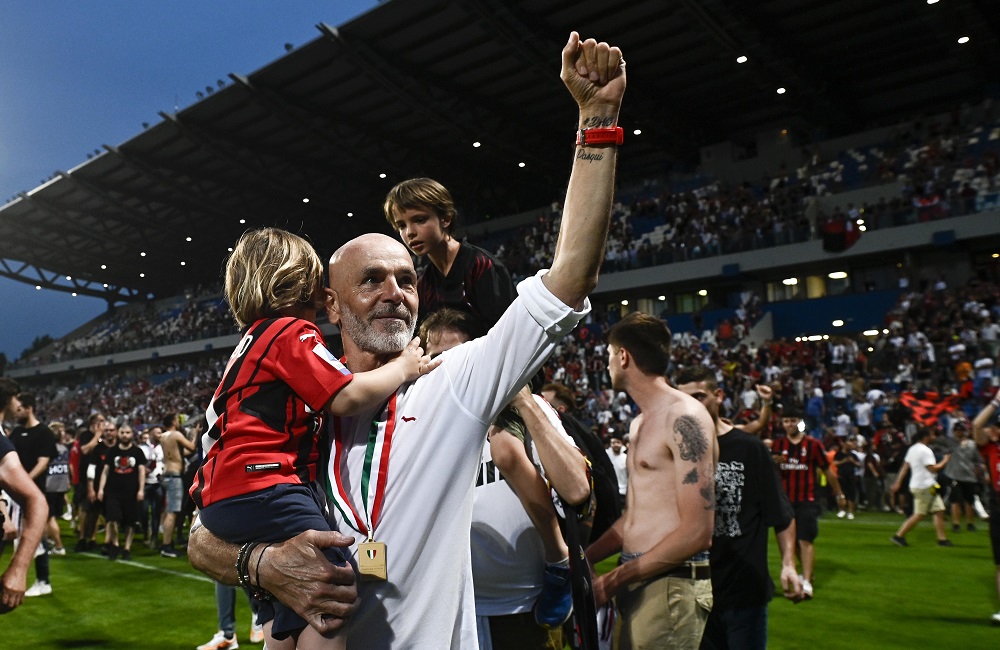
<point x="6" y="446"/>
<point x="819" y="452"/>
<point x="492" y="292"/>
<point x="49" y="449"/>
<point x="308" y="367"/>
<point x="483" y="375"/>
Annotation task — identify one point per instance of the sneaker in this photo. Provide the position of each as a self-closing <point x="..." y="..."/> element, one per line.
<point x="945" y="542"/>
<point x="807" y="589"/>
<point x="971" y="528"/>
<point x="126" y="555"/>
<point x="850" y="515"/>
<point x="955" y="528"/>
<point x="840" y="515"/>
<point x="81" y="546"/>
<point x="113" y="553"/>
<point x="899" y="541"/>
<point x="67" y="516"/>
<point x="38" y="589"/>
<point x="995" y="619"/>
<point x="555" y="604"/>
<point x="256" y="633"/>
<point x="57" y="551"/>
<point x="219" y="642"/>
<point x="169" y="551"/>
<point x="106" y="549"/>
<point x="886" y="509"/>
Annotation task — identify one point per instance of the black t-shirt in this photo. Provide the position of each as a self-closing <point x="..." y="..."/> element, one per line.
<point x="123" y="470"/>
<point x="95" y="459"/>
<point x="34" y="443"/>
<point x="6" y="446"/>
<point x="477" y="283"/>
<point x="749" y="499"/>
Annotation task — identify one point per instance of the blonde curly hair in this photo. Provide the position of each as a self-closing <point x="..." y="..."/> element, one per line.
<point x="271" y="270"/>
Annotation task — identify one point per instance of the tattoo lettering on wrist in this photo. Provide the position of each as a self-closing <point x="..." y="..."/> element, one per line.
<point x="588" y="156"/>
<point x="690" y="438"/>
<point x="598" y="122"/>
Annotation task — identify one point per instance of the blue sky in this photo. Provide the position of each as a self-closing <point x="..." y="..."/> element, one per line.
<point x="75" y="75"/>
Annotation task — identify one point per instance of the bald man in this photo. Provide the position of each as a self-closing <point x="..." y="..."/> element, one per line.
<point x="409" y="521"/>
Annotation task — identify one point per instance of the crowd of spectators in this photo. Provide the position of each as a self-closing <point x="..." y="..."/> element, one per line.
<point x="944" y="168"/>
<point x="135" y="327"/>
<point x="931" y="171"/>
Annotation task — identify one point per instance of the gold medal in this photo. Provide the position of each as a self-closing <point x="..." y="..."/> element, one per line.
<point x="371" y="560"/>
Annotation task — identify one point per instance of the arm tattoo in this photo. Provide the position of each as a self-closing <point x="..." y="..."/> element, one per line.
<point x="708" y="494"/>
<point x="690" y="438"/>
<point x="692" y="477"/>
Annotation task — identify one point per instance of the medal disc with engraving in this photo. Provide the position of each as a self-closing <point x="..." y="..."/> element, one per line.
<point x="371" y="561"/>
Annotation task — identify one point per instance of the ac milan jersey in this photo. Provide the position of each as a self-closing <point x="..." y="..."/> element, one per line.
<point x="798" y="465"/>
<point x="991" y="455"/>
<point x="265" y="416"/>
<point x="477" y="283"/>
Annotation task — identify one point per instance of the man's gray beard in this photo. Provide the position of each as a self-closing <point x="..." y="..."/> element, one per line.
<point x="369" y="339"/>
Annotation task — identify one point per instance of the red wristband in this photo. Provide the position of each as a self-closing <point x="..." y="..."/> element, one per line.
<point x="611" y="135"/>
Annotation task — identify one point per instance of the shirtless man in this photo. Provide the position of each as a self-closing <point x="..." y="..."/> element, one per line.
<point x="172" y="441"/>
<point x="666" y="530"/>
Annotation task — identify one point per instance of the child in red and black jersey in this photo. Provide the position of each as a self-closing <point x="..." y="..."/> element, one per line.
<point x="257" y="482"/>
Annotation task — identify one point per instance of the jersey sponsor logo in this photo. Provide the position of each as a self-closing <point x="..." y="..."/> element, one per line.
<point x="407" y="418"/>
<point x="262" y="467"/>
<point x="320" y="351"/>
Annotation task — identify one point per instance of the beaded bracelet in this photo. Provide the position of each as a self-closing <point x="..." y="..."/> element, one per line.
<point x="243" y="562"/>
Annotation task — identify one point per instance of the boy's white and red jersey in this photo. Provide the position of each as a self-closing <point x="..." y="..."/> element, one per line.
<point x="265" y="417"/>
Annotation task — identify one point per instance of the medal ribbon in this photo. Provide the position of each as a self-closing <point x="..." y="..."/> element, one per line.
<point x="376" y="464"/>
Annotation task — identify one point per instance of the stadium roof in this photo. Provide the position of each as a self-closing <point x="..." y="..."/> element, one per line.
<point x="407" y="88"/>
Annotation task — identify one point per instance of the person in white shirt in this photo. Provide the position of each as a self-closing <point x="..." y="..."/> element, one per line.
<point x="923" y="484"/>
<point x="616" y="452"/>
<point x="416" y="513"/>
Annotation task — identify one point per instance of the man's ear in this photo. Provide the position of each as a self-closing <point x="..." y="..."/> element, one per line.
<point x="624" y="357"/>
<point x="332" y="305"/>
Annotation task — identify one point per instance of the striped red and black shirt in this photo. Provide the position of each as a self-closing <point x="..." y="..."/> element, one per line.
<point x="265" y="417"/>
<point x="798" y="463"/>
<point x="477" y="283"/>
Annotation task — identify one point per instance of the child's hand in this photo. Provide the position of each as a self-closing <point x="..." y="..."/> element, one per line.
<point x="414" y="362"/>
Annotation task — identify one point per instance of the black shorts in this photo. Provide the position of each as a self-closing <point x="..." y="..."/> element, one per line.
<point x="849" y="484"/>
<point x="806" y="520"/>
<point x="57" y="503"/>
<point x="121" y="508"/>
<point x="273" y="514"/>
<point x="962" y="493"/>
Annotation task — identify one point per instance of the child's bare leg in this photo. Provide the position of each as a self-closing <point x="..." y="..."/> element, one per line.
<point x="512" y="460"/>
<point x="310" y="639"/>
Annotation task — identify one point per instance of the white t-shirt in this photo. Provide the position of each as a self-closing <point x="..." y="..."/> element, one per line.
<point x="621" y="470"/>
<point x="919" y="456"/>
<point x="863" y="413"/>
<point x="508" y="559"/>
<point x="440" y="421"/>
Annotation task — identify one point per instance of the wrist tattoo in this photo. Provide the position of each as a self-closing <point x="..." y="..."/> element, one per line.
<point x="588" y="155"/>
<point x="598" y="122"/>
